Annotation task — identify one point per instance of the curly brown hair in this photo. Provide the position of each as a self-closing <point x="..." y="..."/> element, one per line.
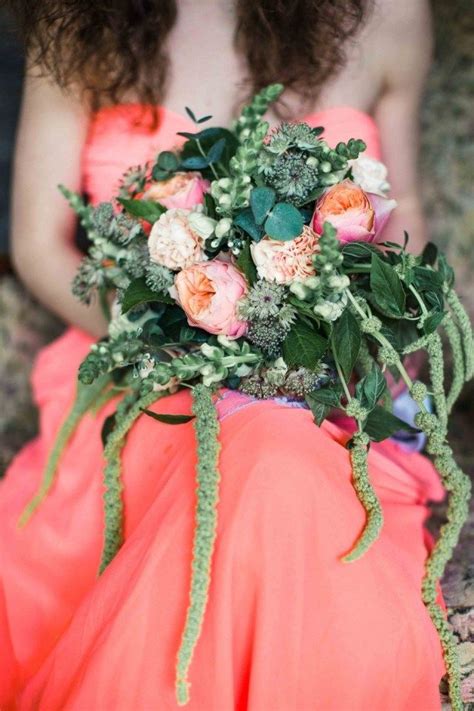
<point x="110" y="47"/>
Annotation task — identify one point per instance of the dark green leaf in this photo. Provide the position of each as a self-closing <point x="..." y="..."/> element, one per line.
<point x="446" y="272"/>
<point x="346" y="340"/>
<point x="168" y="419"/>
<point x="108" y="427"/>
<point x="190" y="114"/>
<point x="387" y="288"/>
<point x="261" y="202"/>
<point x="381" y="424"/>
<point x="284" y="222"/>
<point x="203" y="119"/>
<point x="145" y="209"/>
<point x="138" y="292"/>
<point x="152" y="333"/>
<point x="358" y="251"/>
<point x="432" y="322"/>
<point x="246" y="221"/>
<point x="304" y="346"/>
<point x="319" y="410"/>
<point x="215" y="152"/>
<point x="427" y="279"/>
<point x="430" y="254"/>
<point x="371" y="388"/>
<point x="330" y="396"/>
<point x="246" y="265"/>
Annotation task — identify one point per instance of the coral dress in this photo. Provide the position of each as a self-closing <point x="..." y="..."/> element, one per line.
<point x="288" y="627"/>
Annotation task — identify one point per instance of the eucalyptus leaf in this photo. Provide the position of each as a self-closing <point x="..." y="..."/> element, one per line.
<point x="261" y="202"/>
<point x="285" y="222"/>
<point x="246" y="221"/>
<point x="381" y="424"/>
<point x="346" y="341"/>
<point x="168" y="419"/>
<point x="387" y="289"/>
<point x="167" y="161"/>
<point x="148" y="210"/>
<point x="138" y="292"/>
<point x="303" y="346"/>
<point x="195" y="163"/>
<point x="215" y="152"/>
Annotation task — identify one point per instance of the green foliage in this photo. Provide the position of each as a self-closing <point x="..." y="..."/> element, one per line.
<point x="345" y="342"/>
<point x="246" y="265"/>
<point x="169" y="419"/>
<point x="138" y="292"/>
<point x="261" y="202"/>
<point x="304" y="346"/>
<point x="387" y="290"/>
<point x="145" y="209"/>
<point x="381" y="424"/>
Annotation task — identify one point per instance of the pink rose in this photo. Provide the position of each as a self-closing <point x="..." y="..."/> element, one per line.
<point x="357" y="215"/>
<point x="209" y="293"/>
<point x="285" y="262"/>
<point x="183" y="190"/>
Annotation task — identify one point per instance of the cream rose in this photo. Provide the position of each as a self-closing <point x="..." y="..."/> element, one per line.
<point x="285" y="262"/>
<point x="173" y="243"/>
<point x="370" y="175"/>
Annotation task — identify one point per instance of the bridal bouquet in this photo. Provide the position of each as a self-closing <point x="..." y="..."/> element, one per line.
<point x="251" y="259"/>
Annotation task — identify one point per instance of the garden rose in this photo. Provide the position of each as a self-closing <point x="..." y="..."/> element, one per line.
<point x="183" y="190"/>
<point x="370" y="175"/>
<point x="356" y="215"/>
<point x="285" y="262"/>
<point x="209" y="294"/>
<point x="172" y="241"/>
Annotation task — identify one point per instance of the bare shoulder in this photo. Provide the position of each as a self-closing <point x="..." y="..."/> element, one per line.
<point x="402" y="33"/>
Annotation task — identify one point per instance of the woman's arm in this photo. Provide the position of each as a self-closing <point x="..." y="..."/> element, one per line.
<point x="51" y="134"/>
<point x="404" y="49"/>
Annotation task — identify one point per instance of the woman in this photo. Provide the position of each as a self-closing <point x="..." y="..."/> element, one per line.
<point x="288" y="626"/>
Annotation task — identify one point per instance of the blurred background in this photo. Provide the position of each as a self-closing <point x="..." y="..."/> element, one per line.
<point x="447" y="167"/>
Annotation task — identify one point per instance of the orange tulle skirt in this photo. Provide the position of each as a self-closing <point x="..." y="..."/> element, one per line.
<point x="289" y="627"/>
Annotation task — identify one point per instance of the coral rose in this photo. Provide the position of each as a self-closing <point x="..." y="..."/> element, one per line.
<point x="285" y="262"/>
<point x="356" y="215"/>
<point x="173" y="243"/>
<point x="183" y="190"/>
<point x="209" y="293"/>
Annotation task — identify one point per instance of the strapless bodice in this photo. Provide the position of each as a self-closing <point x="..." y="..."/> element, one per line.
<point x="125" y="135"/>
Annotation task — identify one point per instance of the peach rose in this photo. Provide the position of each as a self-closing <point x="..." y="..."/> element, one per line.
<point x="285" y="262"/>
<point x="356" y="215"/>
<point x="209" y="293"/>
<point x="183" y="190"/>
<point x="173" y="243"/>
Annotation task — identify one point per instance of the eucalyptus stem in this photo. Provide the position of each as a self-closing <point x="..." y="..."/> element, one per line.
<point x="207" y="474"/>
<point x="454" y="338"/>
<point x="86" y="397"/>
<point x="203" y="153"/>
<point x="113" y="504"/>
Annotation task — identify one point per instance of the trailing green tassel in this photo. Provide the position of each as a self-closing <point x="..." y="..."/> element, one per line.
<point x="86" y="397"/>
<point x="454" y="338"/>
<point x="207" y="430"/>
<point x="367" y="497"/>
<point x="459" y="486"/>
<point x="113" y="504"/>
<point x="434" y="347"/>
<point x="466" y="331"/>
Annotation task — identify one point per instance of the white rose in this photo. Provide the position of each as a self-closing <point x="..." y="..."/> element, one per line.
<point x="370" y="175"/>
<point x="173" y="242"/>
